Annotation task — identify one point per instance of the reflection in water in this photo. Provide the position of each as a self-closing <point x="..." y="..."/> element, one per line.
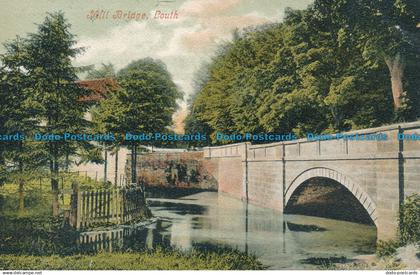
<point x="126" y="238"/>
<point x="279" y="241"/>
<point x="303" y="227"/>
<point x="179" y="208"/>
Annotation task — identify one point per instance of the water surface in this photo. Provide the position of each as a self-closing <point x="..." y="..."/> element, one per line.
<point x="279" y="241"/>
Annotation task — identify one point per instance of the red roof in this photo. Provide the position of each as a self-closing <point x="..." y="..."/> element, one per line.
<point x="98" y="88"/>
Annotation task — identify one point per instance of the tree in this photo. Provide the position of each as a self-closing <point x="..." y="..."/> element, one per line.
<point x="145" y="102"/>
<point x="386" y="31"/>
<point x="314" y="72"/>
<point x="107" y="118"/>
<point x="105" y="71"/>
<point x="17" y="118"/>
<point x="55" y="93"/>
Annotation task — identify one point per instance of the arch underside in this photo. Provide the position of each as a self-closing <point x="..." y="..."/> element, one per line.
<point x="352" y="186"/>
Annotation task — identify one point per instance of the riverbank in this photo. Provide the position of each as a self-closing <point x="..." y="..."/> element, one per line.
<point x="159" y="259"/>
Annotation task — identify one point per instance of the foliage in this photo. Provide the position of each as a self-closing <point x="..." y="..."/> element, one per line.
<point x="149" y="96"/>
<point x="386" y="248"/>
<point x="321" y="71"/>
<point x="159" y="259"/>
<point x="144" y="103"/>
<point x="41" y="95"/>
<point x="410" y="220"/>
<point x="48" y="62"/>
<point x="409" y="228"/>
<point x="106" y="70"/>
<point x="17" y="115"/>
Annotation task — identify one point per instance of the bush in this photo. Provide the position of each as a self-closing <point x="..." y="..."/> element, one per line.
<point x="410" y="220"/>
<point x="386" y="248"/>
<point x="36" y="236"/>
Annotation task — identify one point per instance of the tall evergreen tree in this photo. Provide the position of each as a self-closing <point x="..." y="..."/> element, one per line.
<point x="17" y="118"/>
<point x="55" y="93"/>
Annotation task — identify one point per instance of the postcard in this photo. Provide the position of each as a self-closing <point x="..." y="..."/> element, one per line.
<point x="202" y="135"/>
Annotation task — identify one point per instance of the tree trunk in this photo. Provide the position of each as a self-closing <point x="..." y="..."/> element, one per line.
<point x="133" y="163"/>
<point x="54" y="186"/>
<point x="21" y="183"/>
<point x="105" y="164"/>
<point x="116" y="167"/>
<point x="21" y="196"/>
<point x="67" y="162"/>
<point x="396" y="70"/>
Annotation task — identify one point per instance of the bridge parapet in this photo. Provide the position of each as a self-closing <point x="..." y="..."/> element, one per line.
<point x="272" y="151"/>
<point x="325" y="146"/>
<point x="226" y="151"/>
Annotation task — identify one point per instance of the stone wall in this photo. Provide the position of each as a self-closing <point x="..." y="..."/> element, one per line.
<point x="231" y="170"/>
<point x="182" y="170"/>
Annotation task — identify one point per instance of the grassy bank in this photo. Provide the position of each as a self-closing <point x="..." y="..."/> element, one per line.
<point x="151" y="260"/>
<point x="35" y="199"/>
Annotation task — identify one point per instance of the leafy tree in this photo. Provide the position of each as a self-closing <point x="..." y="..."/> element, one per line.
<point x="105" y="71"/>
<point x="106" y="118"/>
<point x="314" y="72"/>
<point x="385" y="31"/>
<point x="145" y="102"/>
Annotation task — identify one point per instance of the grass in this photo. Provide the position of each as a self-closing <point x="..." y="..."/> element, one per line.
<point x="159" y="259"/>
<point x="386" y="263"/>
<point x="37" y="195"/>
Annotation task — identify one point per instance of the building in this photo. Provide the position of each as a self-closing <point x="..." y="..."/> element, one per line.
<point x="99" y="88"/>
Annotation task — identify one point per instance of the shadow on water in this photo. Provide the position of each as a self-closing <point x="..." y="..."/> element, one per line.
<point x="304" y="227"/>
<point x="322" y="197"/>
<point x="143" y="239"/>
<point x="325" y="262"/>
<point x="197" y="223"/>
<point x="179" y="208"/>
<point x="172" y="192"/>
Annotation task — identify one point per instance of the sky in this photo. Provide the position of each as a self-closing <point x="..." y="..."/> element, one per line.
<point x="182" y="42"/>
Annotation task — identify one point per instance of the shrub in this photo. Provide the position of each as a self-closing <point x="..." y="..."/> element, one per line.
<point x="410" y="220"/>
<point x="386" y="248"/>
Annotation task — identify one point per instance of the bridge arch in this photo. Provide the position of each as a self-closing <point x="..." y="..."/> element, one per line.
<point x="350" y="184"/>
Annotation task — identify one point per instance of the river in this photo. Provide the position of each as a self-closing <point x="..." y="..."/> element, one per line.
<point x="279" y="241"/>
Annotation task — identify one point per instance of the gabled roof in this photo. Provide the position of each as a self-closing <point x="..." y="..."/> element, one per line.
<point x="98" y="88"/>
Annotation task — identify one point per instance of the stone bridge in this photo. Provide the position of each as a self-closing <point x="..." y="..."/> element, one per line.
<point x="379" y="173"/>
